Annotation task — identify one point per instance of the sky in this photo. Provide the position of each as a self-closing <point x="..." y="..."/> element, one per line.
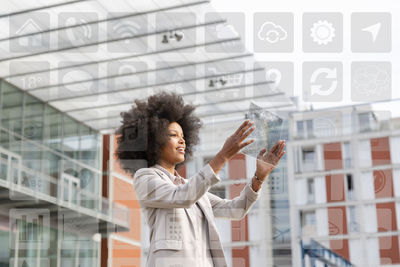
<point x="302" y="11"/>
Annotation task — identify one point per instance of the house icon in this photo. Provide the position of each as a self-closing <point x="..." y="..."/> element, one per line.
<point x="30" y="26"/>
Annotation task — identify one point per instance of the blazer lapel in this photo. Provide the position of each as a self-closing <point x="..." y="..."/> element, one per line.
<point x="163" y="175"/>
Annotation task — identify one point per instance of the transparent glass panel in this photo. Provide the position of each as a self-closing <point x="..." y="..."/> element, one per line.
<point x="89" y="151"/>
<point x="33" y="118"/>
<point x="52" y="135"/>
<point x="4" y="139"/>
<point x="11" y="108"/>
<point x="70" y="144"/>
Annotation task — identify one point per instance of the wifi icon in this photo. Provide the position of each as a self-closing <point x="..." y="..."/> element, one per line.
<point x="124" y="31"/>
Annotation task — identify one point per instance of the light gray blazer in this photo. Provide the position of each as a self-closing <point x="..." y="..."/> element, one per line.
<point x="166" y="206"/>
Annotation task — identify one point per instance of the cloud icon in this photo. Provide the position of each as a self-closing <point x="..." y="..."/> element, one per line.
<point x="271" y="32"/>
<point x="226" y="31"/>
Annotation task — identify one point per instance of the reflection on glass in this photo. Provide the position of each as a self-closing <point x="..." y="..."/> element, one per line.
<point x="33" y="119"/>
<point x="70" y="144"/>
<point x="268" y="130"/>
<point x="52" y="128"/>
<point x="49" y="143"/>
<point x="11" y="108"/>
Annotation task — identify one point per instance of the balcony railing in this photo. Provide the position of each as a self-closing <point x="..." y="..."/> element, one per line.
<point x="24" y="184"/>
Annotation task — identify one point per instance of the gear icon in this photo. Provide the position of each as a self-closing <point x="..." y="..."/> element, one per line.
<point x="322" y="32"/>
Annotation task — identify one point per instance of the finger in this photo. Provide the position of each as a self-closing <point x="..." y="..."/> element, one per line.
<point x="280" y="156"/>
<point x="281" y="147"/>
<point x="242" y="145"/>
<point x="274" y="148"/>
<point x="262" y="152"/>
<point x="245" y="128"/>
<point x="247" y="133"/>
<point x="280" y="144"/>
<point x="241" y="126"/>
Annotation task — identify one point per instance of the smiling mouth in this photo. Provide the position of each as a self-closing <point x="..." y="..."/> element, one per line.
<point x="181" y="150"/>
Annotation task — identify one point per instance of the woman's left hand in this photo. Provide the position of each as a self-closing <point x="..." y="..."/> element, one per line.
<point x="266" y="162"/>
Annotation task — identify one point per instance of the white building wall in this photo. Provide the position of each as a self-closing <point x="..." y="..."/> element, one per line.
<point x="398" y="215"/>
<point x="259" y="216"/>
<point x="224" y="229"/>
<point x="259" y="254"/>
<point x="396" y="181"/>
<point x="321" y="215"/>
<point x="228" y="255"/>
<point x="369" y="218"/>
<point x="394" y="149"/>
<point x="356" y="252"/>
<point x="301" y="189"/>
<point x="319" y="155"/>
<point x="320" y="190"/>
<point x="367" y="185"/>
<point x="372" y="252"/>
<point x="364" y="153"/>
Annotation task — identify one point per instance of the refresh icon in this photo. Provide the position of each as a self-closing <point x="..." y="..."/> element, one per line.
<point x="324" y="81"/>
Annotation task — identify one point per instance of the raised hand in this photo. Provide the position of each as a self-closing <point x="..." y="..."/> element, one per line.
<point x="266" y="162"/>
<point x="235" y="143"/>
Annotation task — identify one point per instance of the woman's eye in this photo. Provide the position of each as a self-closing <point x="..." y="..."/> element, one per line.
<point x="176" y="135"/>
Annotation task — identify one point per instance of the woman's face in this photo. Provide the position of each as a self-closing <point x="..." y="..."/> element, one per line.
<point x="173" y="151"/>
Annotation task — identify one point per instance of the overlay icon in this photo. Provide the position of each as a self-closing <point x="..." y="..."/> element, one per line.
<point x="371" y="32"/>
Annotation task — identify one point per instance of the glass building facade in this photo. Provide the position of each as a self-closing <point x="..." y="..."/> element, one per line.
<point x="51" y="158"/>
<point x="279" y="198"/>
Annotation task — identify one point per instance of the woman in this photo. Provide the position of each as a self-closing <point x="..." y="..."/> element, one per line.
<point x="159" y="135"/>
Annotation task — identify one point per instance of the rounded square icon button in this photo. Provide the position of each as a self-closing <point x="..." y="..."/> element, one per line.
<point x="371" y="81"/>
<point x="281" y="73"/>
<point x="126" y="75"/>
<point x="29" y="32"/>
<point x="78" y="31"/>
<point x="322" y="81"/>
<point x="371" y="32"/>
<point x="273" y="32"/>
<point x="127" y="34"/>
<point x="28" y="80"/>
<point x="233" y="28"/>
<point x="322" y="32"/>
<point x="176" y="29"/>
<point x="73" y="82"/>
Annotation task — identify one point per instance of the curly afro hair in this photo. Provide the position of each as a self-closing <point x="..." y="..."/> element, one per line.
<point x="144" y="130"/>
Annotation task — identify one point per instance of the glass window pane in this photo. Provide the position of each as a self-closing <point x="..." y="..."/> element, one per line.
<point x="88" y="146"/>
<point x="4" y="139"/>
<point x="70" y="144"/>
<point x="300" y="128"/>
<point x="51" y="164"/>
<point x="310" y="127"/>
<point x="52" y="128"/>
<point x="33" y="118"/>
<point x="11" y="108"/>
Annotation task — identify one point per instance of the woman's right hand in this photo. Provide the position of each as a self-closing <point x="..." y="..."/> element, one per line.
<point x="235" y="143"/>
